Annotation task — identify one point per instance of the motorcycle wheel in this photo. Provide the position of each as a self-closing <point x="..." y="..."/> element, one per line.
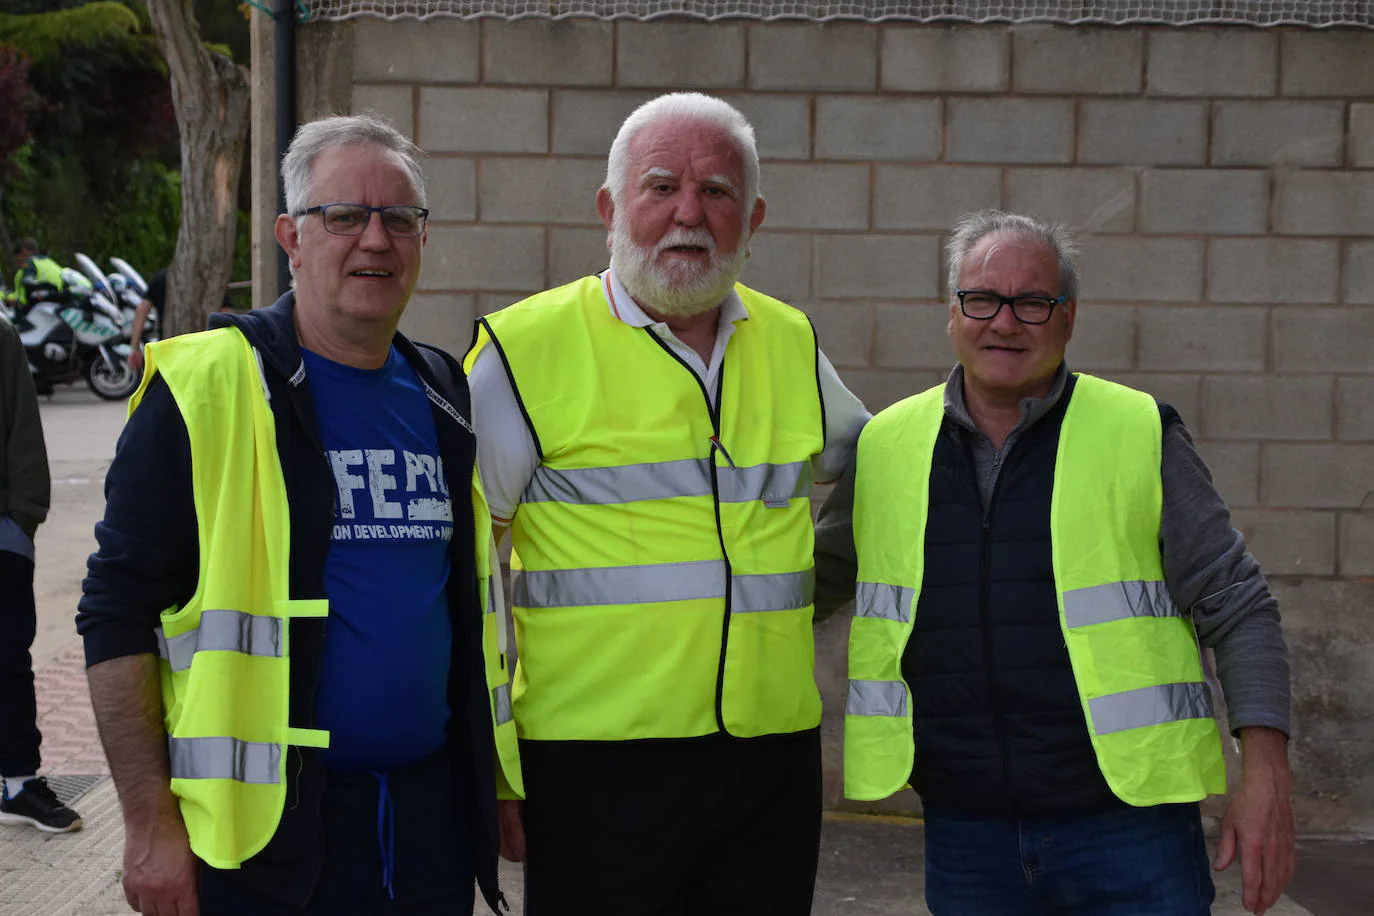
<point x="112" y="386"/>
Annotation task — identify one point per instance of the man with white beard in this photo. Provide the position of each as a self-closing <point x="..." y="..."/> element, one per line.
<point x="651" y="435"/>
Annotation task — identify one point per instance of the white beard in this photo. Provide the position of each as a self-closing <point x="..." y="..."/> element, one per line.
<point x="677" y="288"/>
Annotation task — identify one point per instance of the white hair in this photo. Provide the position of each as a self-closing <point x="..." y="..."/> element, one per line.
<point x="685" y="106"/>
<point x="973" y="227"/>
<point x="325" y="134"/>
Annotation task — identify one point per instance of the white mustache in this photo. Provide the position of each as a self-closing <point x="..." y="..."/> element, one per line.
<point x="696" y="238"/>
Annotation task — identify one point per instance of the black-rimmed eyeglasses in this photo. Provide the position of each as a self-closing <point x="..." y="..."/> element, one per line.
<point x="352" y="219"/>
<point x="984" y="304"/>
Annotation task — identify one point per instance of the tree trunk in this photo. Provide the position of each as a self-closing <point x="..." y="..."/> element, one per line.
<point x="211" y="96"/>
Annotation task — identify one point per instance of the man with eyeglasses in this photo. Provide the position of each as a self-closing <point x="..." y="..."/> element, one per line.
<point x="294" y="652"/>
<point x="1036" y="557"/>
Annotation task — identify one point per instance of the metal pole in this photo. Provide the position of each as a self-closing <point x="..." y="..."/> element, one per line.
<point x="284" y="12"/>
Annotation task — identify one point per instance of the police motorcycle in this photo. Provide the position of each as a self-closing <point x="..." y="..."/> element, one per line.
<point x="74" y="333"/>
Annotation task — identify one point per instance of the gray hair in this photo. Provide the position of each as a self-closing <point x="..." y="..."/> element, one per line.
<point x="685" y="106"/>
<point x="973" y="227"/>
<point x="330" y="133"/>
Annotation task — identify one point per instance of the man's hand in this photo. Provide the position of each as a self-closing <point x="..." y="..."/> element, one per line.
<point x="510" y="815"/>
<point x="136" y="358"/>
<point x="160" y="871"/>
<point x="1259" y="820"/>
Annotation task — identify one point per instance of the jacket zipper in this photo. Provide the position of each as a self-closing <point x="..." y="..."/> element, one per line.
<point x="714" y="411"/>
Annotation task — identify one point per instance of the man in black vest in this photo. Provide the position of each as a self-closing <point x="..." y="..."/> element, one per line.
<point x="1020" y="820"/>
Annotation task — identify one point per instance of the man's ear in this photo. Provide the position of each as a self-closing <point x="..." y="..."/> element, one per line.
<point x="756" y="217"/>
<point x="288" y="237"/>
<point x="606" y="207"/>
<point x="1070" y="313"/>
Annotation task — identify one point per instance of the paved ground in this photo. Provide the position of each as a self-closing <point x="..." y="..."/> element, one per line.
<point x="869" y="865"/>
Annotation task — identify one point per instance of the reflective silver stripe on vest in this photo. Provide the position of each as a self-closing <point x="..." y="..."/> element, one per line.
<point x="224" y="758"/>
<point x="500" y="697"/>
<point x="888" y="602"/>
<point x="617" y="585"/>
<point x="223" y="631"/>
<point x="772" y="483"/>
<point x="1118" y="712"/>
<point x="1117" y="601"/>
<point x="876" y="698"/>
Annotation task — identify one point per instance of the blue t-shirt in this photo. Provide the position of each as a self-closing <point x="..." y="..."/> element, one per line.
<point x="383" y="688"/>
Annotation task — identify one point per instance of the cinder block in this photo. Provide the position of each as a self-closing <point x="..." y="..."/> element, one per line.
<point x="1355" y="409"/>
<point x="782" y="124"/>
<point x="1357" y="543"/>
<point x="871" y="127"/>
<point x="1328" y="476"/>
<point x="912" y="335"/>
<point x="816" y="196"/>
<point x="1206" y="201"/>
<point x="1142" y="270"/>
<point x="932" y="196"/>
<point x="1269" y="407"/>
<point x="1103" y="338"/>
<point x="1289" y="543"/>
<point x="484" y="120"/>
<point x="1203" y="338"/>
<point x="1080" y="59"/>
<point x="520" y="190"/>
<point x="442" y="320"/>
<point x="845" y="332"/>
<point x="1010" y="130"/>
<point x="1235" y="470"/>
<point x="494" y="302"/>
<point x="945" y="59"/>
<point x="408" y="50"/>
<point x="1325" y="203"/>
<point x="677" y="53"/>
<point x="836" y="56"/>
<point x="1273" y="270"/>
<point x="452" y="185"/>
<point x="484" y="258"/>
<point x="1181" y="392"/>
<point x="1123" y="132"/>
<point x="1362" y="134"/>
<point x="1090" y="200"/>
<point x="1338" y="63"/>
<point x="1277" y="133"/>
<point x="395" y="104"/>
<point x="586" y="121"/>
<point x="547" y="52"/>
<point x="1207" y="63"/>
<point x="576" y="253"/>
<point x="1324" y="340"/>
<point x="1359" y="273"/>
<point x="880" y="388"/>
<point x="877" y="266"/>
<point x="780" y="265"/>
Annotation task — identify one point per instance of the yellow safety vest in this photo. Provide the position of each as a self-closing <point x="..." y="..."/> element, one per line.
<point x="45" y="270"/>
<point x="663" y="551"/>
<point x="1135" y="657"/>
<point x="225" y="654"/>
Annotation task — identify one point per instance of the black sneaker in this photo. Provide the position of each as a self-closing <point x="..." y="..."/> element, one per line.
<point x="38" y="805"/>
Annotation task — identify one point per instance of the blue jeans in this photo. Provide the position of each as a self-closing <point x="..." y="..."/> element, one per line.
<point x="1128" y="862"/>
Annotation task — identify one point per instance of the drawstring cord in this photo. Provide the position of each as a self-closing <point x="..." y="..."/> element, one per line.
<point x="386" y="832"/>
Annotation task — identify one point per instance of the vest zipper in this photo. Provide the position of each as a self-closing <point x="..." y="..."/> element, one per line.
<point x="985" y="608"/>
<point x="713" y="410"/>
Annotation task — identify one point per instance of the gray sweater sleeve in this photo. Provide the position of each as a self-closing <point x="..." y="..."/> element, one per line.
<point x="1210" y="574"/>
<point x="837" y="565"/>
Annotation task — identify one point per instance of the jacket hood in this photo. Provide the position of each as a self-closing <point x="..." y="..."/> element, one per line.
<point x="271" y="330"/>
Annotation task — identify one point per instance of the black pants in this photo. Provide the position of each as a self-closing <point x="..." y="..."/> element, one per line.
<point x="430" y="851"/>
<point x="19" y="736"/>
<point x="710" y="826"/>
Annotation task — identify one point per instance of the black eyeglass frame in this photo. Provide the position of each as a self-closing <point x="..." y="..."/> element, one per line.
<point x="1008" y="301"/>
<point x="323" y="210"/>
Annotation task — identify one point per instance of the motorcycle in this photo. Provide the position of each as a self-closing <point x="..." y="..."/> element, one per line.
<point x="74" y="333"/>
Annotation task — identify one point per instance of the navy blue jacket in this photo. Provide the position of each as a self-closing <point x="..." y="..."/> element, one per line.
<point x="147" y="561"/>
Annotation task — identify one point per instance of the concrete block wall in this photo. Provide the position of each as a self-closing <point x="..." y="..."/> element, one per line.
<point x="1223" y="180"/>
